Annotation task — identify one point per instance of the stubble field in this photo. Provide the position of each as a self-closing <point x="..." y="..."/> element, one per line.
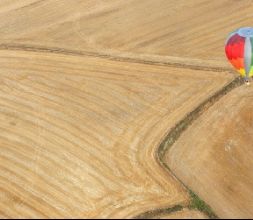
<point x="89" y="91"/>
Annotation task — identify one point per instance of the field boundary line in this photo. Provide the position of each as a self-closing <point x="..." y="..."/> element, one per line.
<point x="172" y="136"/>
<point x="177" y="62"/>
<point x="176" y="131"/>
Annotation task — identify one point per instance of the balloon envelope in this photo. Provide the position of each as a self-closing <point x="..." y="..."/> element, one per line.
<point x="239" y="51"/>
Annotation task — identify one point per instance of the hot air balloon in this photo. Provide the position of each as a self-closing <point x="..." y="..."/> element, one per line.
<point x="239" y="51"/>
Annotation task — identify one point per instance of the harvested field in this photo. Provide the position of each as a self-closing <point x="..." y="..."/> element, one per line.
<point x="195" y="29"/>
<point x="79" y="134"/>
<point x="214" y="156"/>
<point x="184" y="214"/>
<point x="89" y="91"/>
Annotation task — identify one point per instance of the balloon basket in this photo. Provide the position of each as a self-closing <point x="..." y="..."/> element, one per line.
<point x="247" y="81"/>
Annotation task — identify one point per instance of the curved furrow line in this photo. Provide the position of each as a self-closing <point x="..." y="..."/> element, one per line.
<point x="155" y="130"/>
<point x="95" y="153"/>
<point x="29" y="113"/>
<point x="52" y="197"/>
<point x="41" y="173"/>
<point x="49" y="156"/>
<point x="104" y="88"/>
<point x="76" y="108"/>
<point x="176" y="132"/>
<point x="50" y="162"/>
<point x="73" y="100"/>
<point x="70" y="146"/>
<point x="50" y="118"/>
<point x="17" y="192"/>
<point x="65" y="159"/>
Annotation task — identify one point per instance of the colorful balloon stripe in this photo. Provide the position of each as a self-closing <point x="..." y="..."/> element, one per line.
<point x="235" y="52"/>
<point x="251" y="68"/>
<point x="239" y="51"/>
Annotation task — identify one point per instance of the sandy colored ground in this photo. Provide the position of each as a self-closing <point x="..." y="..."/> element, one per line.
<point x="214" y="156"/>
<point x="195" y="29"/>
<point x="89" y="89"/>
<point x="184" y="214"/>
<point x="79" y="134"/>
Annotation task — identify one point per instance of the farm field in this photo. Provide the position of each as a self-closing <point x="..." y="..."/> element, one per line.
<point x="220" y="169"/>
<point x="79" y="134"/>
<point x="161" y="30"/>
<point x="89" y="92"/>
<point x="185" y="214"/>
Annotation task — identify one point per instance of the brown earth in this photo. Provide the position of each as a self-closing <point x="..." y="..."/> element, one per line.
<point x="79" y="134"/>
<point x="184" y="214"/>
<point x="194" y="29"/>
<point x="89" y="89"/>
<point x="214" y="156"/>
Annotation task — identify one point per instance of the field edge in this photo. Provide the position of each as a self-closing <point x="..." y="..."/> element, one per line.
<point x="195" y="202"/>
